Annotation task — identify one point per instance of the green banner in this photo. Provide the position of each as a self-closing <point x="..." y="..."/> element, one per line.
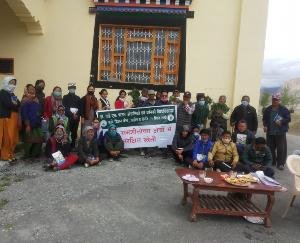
<point x="138" y="116"/>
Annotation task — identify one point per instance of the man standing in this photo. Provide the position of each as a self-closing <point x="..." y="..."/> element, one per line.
<point x="185" y="111"/>
<point x="201" y="112"/>
<point x="220" y="112"/>
<point x="71" y="103"/>
<point x="276" y="119"/>
<point x="163" y="99"/>
<point x="245" y="112"/>
<point x="151" y="98"/>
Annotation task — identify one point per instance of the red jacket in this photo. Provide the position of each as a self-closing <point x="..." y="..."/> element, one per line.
<point x="48" y="109"/>
<point x="119" y="104"/>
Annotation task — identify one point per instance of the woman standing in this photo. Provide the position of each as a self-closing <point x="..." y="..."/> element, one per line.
<point x="52" y="102"/>
<point x="31" y="121"/>
<point x="9" y="106"/>
<point x="89" y="106"/>
<point x="121" y="102"/>
<point x="103" y="101"/>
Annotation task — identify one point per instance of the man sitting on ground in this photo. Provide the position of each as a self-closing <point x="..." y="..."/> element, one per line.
<point x="182" y="145"/>
<point x="224" y="155"/>
<point x="258" y="156"/>
<point x="201" y="150"/>
<point x="242" y="136"/>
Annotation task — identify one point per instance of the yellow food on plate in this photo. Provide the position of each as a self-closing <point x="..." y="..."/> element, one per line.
<point x="237" y="181"/>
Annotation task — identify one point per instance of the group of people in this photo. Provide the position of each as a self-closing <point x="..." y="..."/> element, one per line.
<point x="55" y="120"/>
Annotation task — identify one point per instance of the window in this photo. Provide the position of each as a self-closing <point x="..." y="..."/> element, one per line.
<point x="6" y="66"/>
<point x="139" y="54"/>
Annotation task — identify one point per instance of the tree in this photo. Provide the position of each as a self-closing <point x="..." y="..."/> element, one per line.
<point x="265" y="99"/>
<point x="289" y="98"/>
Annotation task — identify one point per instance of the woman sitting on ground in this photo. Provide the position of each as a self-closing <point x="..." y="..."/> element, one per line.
<point x="87" y="148"/>
<point x="99" y="136"/>
<point x="113" y="143"/>
<point x="182" y="145"/>
<point x="59" y="142"/>
<point x="59" y="118"/>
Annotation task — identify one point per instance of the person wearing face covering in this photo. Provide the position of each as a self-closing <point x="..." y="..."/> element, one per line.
<point x="224" y="155"/>
<point x="52" y="102"/>
<point x="31" y="121"/>
<point x="39" y="93"/>
<point x="59" y="118"/>
<point x="201" y="112"/>
<point x="245" y="112"/>
<point x="99" y="136"/>
<point x="88" y="149"/>
<point x="72" y="105"/>
<point x="9" y="119"/>
<point x="113" y="143"/>
<point x="89" y="107"/>
<point x="59" y="142"/>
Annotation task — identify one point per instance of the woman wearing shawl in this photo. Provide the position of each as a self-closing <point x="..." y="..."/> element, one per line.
<point x="89" y="106"/>
<point x="39" y="93"/>
<point x="52" y="102"/>
<point x="113" y="143"/>
<point x="88" y="149"/>
<point x="59" y="118"/>
<point x="9" y="119"/>
<point x="31" y="121"/>
<point x="103" y="101"/>
<point x="59" y="142"/>
<point x="99" y="136"/>
<point x="121" y="102"/>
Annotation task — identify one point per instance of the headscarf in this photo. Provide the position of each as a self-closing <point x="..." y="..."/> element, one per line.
<point x="57" y="137"/>
<point x="112" y="134"/>
<point x="60" y="117"/>
<point x="86" y="129"/>
<point x="6" y="86"/>
<point x="27" y="97"/>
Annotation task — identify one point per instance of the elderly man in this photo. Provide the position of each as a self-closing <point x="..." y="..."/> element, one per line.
<point x="258" y="156"/>
<point x="244" y="112"/>
<point x="276" y="119"/>
<point x="185" y="111"/>
<point x="220" y="112"/>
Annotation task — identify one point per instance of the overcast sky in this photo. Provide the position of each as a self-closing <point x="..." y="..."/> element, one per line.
<point x="282" y="50"/>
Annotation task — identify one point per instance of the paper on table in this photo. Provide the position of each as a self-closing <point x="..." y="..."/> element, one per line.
<point x="189" y="177"/>
<point x="267" y="180"/>
<point x="73" y="110"/>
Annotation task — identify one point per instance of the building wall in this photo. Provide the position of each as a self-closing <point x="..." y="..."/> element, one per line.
<point x="225" y="44"/>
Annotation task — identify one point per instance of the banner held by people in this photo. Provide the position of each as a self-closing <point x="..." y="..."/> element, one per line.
<point x="144" y="126"/>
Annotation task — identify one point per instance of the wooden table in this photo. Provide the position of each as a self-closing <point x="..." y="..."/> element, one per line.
<point x="226" y="205"/>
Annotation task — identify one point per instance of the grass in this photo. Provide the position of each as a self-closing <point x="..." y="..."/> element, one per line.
<point x="3" y="202"/>
<point x="7" y="180"/>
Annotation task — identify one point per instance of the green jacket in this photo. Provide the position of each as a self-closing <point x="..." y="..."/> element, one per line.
<point x="251" y="156"/>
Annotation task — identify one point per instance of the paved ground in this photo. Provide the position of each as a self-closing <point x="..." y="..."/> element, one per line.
<point x="136" y="200"/>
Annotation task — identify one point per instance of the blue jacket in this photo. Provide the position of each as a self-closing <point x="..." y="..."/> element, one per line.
<point x="202" y="148"/>
<point x="31" y="112"/>
<point x="283" y="112"/>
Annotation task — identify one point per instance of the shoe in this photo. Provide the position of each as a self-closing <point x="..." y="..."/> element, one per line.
<point x="86" y="165"/>
<point x="142" y="153"/>
<point x="111" y="160"/>
<point x="280" y="167"/>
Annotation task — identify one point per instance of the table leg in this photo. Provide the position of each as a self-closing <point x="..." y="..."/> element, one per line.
<point x="195" y="202"/>
<point x="185" y="193"/>
<point x="270" y="203"/>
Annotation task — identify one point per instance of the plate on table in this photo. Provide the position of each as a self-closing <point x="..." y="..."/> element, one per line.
<point x="237" y="181"/>
<point x="248" y="178"/>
